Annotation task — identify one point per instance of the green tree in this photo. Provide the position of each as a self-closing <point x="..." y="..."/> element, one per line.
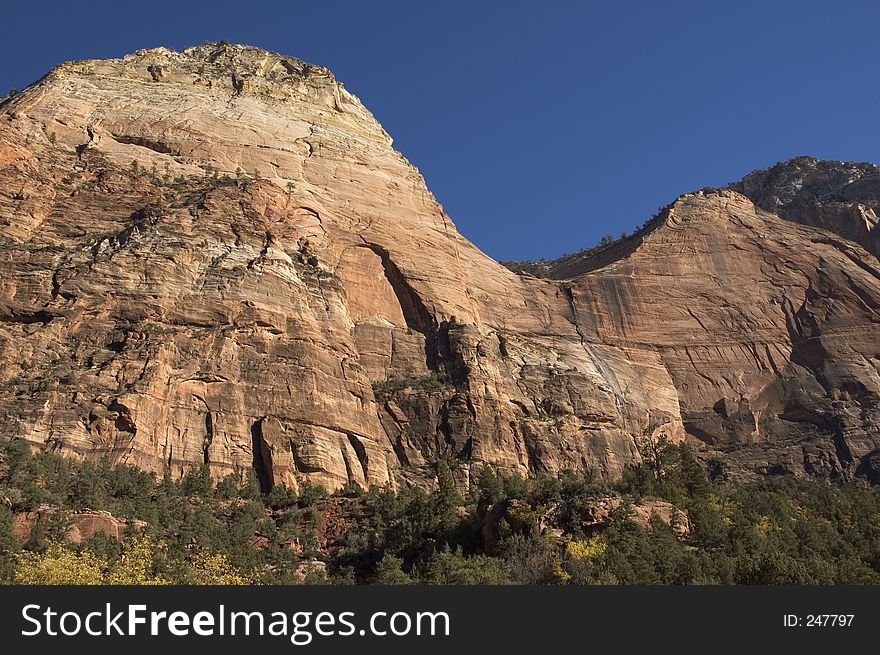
<point x="452" y="567"/>
<point x="690" y="475"/>
<point x="490" y="490"/>
<point x="8" y="545"/>
<point x="447" y="500"/>
<point x="197" y="482"/>
<point x="389" y="571"/>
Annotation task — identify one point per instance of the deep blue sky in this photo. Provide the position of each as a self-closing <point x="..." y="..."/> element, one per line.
<point x="540" y="127"/>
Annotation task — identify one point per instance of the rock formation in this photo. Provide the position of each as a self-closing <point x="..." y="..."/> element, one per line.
<point x="216" y="257"/>
<point x="78" y="526"/>
<point x="843" y="197"/>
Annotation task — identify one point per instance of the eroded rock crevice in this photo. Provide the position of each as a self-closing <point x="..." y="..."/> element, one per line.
<point x="209" y="437"/>
<point x="415" y="313"/>
<point x="262" y="457"/>
<point x="144" y="142"/>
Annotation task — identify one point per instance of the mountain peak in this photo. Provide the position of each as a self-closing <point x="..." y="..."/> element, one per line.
<point x="210" y="60"/>
<point x="234" y="109"/>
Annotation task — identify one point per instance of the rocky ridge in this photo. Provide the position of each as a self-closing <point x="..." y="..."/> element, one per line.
<point x="843" y="197"/>
<point x="216" y="257"/>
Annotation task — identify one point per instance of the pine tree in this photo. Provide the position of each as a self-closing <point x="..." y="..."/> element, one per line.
<point x="389" y="571"/>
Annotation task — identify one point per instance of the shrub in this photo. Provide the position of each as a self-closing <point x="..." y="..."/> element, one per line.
<point x="388" y="388"/>
<point x="586" y="549"/>
<point x="214" y="569"/>
<point x="60" y="565"/>
<point x="452" y="567"/>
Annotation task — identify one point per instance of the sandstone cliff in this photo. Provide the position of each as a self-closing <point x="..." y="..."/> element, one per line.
<point x="216" y="256"/>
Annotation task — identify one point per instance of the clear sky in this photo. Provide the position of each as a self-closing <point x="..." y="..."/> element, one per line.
<point x="539" y="126"/>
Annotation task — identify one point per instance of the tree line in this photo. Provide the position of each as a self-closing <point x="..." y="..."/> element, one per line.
<point x="505" y="529"/>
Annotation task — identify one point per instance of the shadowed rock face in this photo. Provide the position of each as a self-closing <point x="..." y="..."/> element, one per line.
<point x="216" y="257"/>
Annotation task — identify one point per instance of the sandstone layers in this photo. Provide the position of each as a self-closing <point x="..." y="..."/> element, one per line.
<point x="216" y="257"/>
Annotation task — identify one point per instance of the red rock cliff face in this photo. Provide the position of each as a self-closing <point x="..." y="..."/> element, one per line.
<point x="767" y="329"/>
<point x="216" y="257"/>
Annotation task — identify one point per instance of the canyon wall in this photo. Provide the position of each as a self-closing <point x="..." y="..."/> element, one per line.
<point x="216" y="257"/>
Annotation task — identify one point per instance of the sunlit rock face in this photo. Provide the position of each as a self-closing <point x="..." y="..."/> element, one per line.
<point x="216" y="257"/>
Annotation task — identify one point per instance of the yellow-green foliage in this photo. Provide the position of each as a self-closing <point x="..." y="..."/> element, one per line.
<point x="60" y="565"/>
<point x="562" y="576"/>
<point x="215" y="569"/>
<point x="136" y="565"/>
<point x="588" y="549"/>
<point x="763" y="525"/>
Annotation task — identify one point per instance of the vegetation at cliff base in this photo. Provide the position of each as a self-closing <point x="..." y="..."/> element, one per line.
<point x="504" y="530"/>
